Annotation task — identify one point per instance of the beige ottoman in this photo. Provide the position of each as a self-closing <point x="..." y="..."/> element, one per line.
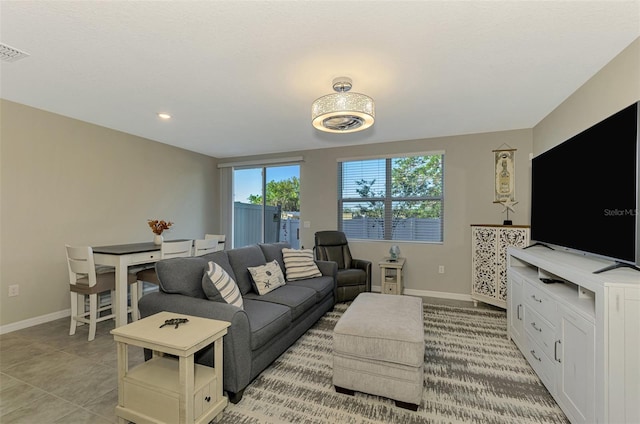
<point x="378" y="348"/>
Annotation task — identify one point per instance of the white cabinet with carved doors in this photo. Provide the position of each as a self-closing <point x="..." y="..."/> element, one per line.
<point x="489" y="260"/>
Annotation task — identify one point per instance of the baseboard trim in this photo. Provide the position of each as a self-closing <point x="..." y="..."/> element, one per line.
<point x="430" y="293"/>
<point x="14" y="326"/>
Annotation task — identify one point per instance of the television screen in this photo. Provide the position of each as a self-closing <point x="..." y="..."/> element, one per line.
<point x="584" y="192"/>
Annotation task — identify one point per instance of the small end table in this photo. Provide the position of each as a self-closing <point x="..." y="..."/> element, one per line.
<point x="170" y="389"/>
<point x="391" y="275"/>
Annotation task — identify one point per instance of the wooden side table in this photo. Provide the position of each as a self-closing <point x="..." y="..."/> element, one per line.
<point x="391" y="275"/>
<point x="170" y="389"/>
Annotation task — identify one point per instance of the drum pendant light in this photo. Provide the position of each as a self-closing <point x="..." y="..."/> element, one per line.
<point x="343" y="111"/>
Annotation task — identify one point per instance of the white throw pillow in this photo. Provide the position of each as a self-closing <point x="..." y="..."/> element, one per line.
<point x="216" y="279"/>
<point x="267" y="277"/>
<point x="299" y="264"/>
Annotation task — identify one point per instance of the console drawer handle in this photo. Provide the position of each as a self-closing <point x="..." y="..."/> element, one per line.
<point x="518" y="312"/>
<point x="533" y="353"/>
<point x="533" y="296"/>
<point x="555" y="351"/>
<point x="533" y="324"/>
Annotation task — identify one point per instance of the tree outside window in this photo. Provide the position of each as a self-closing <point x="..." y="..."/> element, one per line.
<point x="283" y="193"/>
<point x="397" y="198"/>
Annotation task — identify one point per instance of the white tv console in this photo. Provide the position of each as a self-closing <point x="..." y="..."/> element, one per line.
<point x="581" y="335"/>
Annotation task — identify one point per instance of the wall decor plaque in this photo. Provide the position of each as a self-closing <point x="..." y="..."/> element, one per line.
<point x="505" y="173"/>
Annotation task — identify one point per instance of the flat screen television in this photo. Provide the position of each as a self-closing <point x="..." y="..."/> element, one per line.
<point x="585" y="191"/>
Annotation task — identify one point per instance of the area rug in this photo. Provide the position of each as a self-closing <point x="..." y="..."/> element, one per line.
<point x="473" y="374"/>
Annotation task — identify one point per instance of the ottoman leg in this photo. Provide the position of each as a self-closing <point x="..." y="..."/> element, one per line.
<point x="344" y="391"/>
<point x="407" y="405"/>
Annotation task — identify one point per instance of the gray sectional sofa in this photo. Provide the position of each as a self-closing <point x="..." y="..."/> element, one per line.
<point x="267" y="325"/>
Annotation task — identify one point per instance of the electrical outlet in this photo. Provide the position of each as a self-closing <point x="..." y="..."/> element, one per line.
<point x="441" y="269"/>
<point x="14" y="290"/>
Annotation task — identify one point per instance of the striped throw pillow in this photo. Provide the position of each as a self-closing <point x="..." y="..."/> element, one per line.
<point x="218" y="285"/>
<point x="299" y="264"/>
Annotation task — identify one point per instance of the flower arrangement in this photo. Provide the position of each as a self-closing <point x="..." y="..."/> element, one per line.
<point x="158" y="226"/>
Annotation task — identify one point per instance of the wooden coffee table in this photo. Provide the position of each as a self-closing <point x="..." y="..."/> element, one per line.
<point x="170" y="389"/>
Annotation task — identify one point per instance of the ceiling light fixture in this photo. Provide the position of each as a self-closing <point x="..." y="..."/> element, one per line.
<point x="164" y="116"/>
<point x="343" y="112"/>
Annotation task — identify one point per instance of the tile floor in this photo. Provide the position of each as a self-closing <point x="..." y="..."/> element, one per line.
<point x="47" y="376"/>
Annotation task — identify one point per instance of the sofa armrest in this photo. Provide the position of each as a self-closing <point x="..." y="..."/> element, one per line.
<point x="330" y="269"/>
<point x="365" y="266"/>
<point x="236" y="343"/>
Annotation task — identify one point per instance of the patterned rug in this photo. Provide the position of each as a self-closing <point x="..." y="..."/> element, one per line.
<point x="473" y="373"/>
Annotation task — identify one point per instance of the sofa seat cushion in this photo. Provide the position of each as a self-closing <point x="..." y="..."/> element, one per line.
<point x="299" y="299"/>
<point x="321" y="285"/>
<point x="351" y="277"/>
<point x="241" y="259"/>
<point x="266" y="320"/>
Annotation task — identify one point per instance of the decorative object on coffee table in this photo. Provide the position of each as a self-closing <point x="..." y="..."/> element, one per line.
<point x="172" y="388"/>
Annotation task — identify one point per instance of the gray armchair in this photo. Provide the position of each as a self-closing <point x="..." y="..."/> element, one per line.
<point x="354" y="275"/>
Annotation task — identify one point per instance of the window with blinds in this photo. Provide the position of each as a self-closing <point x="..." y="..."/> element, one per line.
<point x="393" y="198"/>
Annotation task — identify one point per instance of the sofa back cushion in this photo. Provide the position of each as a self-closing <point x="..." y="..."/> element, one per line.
<point x="221" y="259"/>
<point x="241" y="259"/>
<point x="273" y="252"/>
<point x="182" y="276"/>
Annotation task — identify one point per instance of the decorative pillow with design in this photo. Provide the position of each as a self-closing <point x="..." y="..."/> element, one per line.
<point x="266" y="277"/>
<point x="300" y="264"/>
<point x="219" y="286"/>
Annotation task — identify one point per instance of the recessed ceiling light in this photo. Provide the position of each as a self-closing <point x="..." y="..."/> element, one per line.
<point x="164" y="116"/>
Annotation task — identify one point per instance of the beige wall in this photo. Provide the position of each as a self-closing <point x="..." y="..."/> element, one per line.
<point x="469" y="164"/>
<point x="468" y="178"/>
<point x="68" y="181"/>
<point x="616" y="86"/>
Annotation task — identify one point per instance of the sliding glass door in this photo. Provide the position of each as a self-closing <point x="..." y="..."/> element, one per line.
<point x="266" y="205"/>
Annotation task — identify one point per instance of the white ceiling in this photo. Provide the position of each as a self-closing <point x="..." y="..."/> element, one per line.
<point x="239" y="77"/>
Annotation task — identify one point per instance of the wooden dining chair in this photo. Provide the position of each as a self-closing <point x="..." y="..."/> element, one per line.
<point x="204" y="246"/>
<point x="87" y="279"/>
<point x="221" y="240"/>
<point x="168" y="249"/>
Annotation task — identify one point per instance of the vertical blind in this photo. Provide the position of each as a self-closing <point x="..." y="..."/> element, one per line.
<point x="392" y="198"/>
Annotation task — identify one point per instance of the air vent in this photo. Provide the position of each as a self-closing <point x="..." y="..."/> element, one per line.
<point x="10" y="54"/>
